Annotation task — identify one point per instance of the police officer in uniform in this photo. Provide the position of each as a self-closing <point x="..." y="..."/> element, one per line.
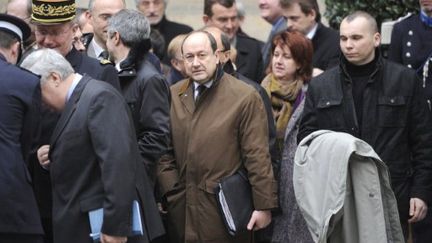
<point x="19" y="96"/>
<point x="55" y="29"/>
<point x="411" y="43"/>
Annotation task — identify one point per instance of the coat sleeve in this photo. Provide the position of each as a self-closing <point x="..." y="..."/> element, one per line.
<point x="253" y="134"/>
<point x="309" y="122"/>
<point x="154" y="126"/>
<point x="109" y="75"/>
<point x="167" y="173"/>
<point x="114" y="143"/>
<point x="420" y="136"/>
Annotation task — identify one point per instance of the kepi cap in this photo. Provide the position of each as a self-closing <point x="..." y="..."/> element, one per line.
<point x="14" y="26"/>
<point x="52" y="11"/>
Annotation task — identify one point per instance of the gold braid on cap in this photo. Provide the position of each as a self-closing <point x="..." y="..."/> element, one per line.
<point x="53" y="11"/>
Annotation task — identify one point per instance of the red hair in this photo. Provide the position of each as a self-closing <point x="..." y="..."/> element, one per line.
<point x="301" y="51"/>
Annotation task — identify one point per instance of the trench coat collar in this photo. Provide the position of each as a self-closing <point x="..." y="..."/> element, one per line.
<point x="186" y="92"/>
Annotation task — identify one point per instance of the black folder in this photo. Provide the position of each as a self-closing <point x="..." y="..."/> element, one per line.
<point x="234" y="198"/>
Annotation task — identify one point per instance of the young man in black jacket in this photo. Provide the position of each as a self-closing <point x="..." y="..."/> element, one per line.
<point x="382" y="103"/>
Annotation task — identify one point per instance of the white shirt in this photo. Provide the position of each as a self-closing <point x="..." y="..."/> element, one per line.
<point x="312" y="33"/>
<point x="196" y="84"/>
<point x="96" y="47"/>
<point x="75" y="82"/>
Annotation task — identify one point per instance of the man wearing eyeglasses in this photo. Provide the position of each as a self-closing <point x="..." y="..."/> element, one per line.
<point x="56" y="30"/>
<point x="218" y="126"/>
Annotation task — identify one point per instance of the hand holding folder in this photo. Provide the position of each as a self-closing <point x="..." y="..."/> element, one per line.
<point x="96" y="220"/>
<point x="234" y="198"/>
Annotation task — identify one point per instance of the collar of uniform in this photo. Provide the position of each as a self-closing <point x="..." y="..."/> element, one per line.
<point x="425" y="19"/>
<point x="2" y="57"/>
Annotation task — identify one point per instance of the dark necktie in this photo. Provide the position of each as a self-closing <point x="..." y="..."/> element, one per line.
<point x="104" y="55"/>
<point x="200" y="90"/>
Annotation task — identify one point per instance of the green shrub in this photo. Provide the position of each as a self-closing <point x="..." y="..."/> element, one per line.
<point x="382" y="10"/>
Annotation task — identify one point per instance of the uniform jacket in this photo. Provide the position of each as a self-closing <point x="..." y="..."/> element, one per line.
<point x="148" y="97"/>
<point x="84" y="65"/>
<point x="326" y="48"/>
<point x="19" y="92"/>
<point x="225" y="131"/>
<point x="94" y="164"/>
<point x="343" y="190"/>
<point x="249" y="60"/>
<point x="411" y="46"/>
<point x="395" y="123"/>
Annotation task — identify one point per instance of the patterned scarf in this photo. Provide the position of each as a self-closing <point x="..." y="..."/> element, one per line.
<point x="282" y="97"/>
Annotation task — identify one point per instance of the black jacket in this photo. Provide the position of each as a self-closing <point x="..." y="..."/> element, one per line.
<point x="169" y="30"/>
<point x="249" y="59"/>
<point x="19" y="92"/>
<point x="326" y="47"/>
<point x="148" y="96"/>
<point x="395" y="123"/>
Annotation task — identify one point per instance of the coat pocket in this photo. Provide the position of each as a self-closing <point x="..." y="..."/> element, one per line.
<point x="330" y="113"/>
<point x="392" y="111"/>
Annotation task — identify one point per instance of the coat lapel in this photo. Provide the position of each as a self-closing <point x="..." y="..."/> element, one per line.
<point x="69" y="109"/>
<point x="187" y="96"/>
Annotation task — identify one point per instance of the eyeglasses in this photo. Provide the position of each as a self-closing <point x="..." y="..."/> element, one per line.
<point x="52" y="33"/>
<point x="189" y="57"/>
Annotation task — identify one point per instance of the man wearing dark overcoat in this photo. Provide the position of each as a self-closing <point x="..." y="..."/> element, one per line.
<point x="92" y="157"/>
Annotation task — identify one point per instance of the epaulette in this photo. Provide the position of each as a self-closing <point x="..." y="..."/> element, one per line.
<point x="105" y="61"/>
<point x="405" y="17"/>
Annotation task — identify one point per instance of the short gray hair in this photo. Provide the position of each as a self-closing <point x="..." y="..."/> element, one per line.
<point x="132" y="26"/>
<point x="45" y="61"/>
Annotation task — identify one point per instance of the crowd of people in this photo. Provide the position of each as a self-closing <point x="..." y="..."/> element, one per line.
<point x="103" y="107"/>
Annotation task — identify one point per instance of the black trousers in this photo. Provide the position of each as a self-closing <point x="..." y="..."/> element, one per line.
<point x="422" y="231"/>
<point x="20" y="238"/>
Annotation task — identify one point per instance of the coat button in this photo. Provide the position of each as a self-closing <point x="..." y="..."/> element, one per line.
<point x="408" y="54"/>
<point x="409" y="65"/>
<point x="409" y="43"/>
<point x="328" y="103"/>
<point x="392" y="101"/>
<point x="371" y="195"/>
<point x="410" y="32"/>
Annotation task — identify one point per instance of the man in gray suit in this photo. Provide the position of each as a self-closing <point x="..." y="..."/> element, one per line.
<point x="92" y="157"/>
